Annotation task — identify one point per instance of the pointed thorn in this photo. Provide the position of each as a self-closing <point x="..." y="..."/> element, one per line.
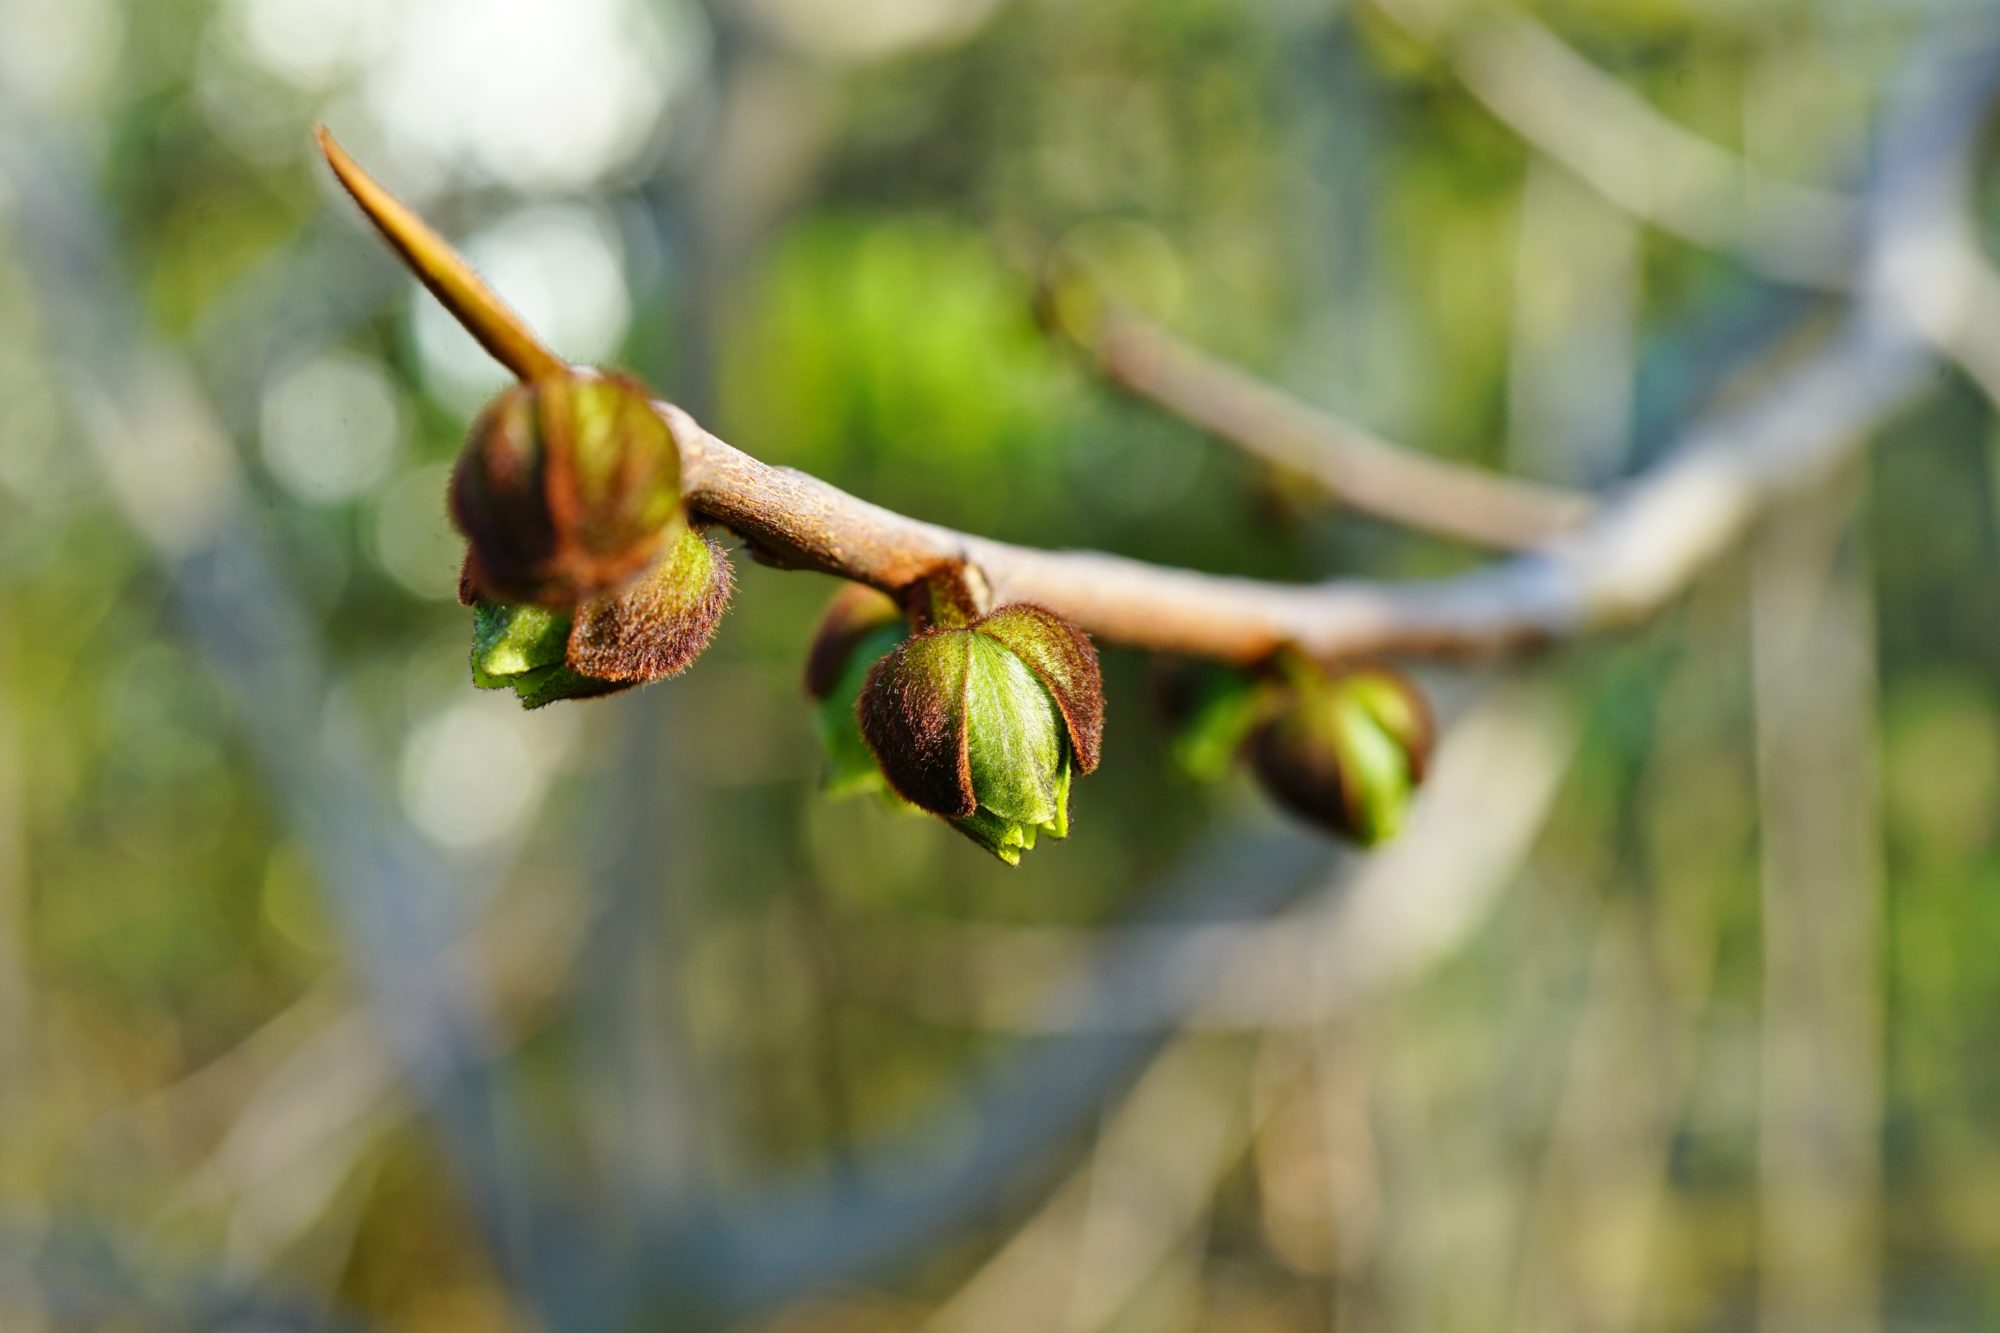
<point x="442" y="269"/>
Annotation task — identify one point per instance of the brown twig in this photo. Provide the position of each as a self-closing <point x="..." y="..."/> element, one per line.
<point x="1359" y="468"/>
<point x="504" y="334"/>
<point x="1640" y="548"/>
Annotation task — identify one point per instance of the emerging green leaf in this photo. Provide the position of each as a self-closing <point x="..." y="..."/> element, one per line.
<point x="1066" y="665"/>
<point x="653" y="629"/>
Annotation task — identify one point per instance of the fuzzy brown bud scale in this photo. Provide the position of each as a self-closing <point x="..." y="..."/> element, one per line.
<point x="652" y="629"/>
<point x="984" y="724"/>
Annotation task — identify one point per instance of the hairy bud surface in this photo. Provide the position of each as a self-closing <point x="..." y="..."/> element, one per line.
<point x="568" y="488"/>
<point x="985" y="723"/>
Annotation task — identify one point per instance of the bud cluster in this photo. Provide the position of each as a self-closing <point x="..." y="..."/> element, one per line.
<point x="585" y="578"/>
<point x="582" y="572"/>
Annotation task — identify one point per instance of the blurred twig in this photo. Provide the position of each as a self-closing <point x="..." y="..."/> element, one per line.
<point x="1351" y="464"/>
<point x="174" y="475"/>
<point x="1655" y="170"/>
<point x="1606" y="1183"/>
<point x="1351" y="920"/>
<point x="83" y="1279"/>
<point x="322" y="1090"/>
<point x="1590" y="1228"/>
<point x="1158" y="1161"/>
<point x="719" y="1264"/>
<point x="1639" y="159"/>
<point x="1813" y="654"/>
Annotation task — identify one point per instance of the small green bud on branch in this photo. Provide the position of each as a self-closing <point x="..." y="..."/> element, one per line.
<point x="985" y="724"/>
<point x="1347" y="750"/>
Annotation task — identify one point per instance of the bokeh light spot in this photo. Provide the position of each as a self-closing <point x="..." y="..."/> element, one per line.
<point x="332" y="427"/>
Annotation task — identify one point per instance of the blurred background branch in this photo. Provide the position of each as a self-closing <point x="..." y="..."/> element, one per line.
<point x="1641" y="549"/>
<point x="1653" y="168"/>
<point x="1353" y="466"/>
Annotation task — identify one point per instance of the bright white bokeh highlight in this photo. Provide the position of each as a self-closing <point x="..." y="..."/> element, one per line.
<point x="313" y="44"/>
<point x="537" y="95"/>
<point x="474" y="773"/>
<point x="332" y="427"/>
<point x="58" y="56"/>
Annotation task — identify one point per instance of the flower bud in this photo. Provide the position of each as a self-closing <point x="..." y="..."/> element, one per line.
<point x="1210" y="710"/>
<point x="859" y="628"/>
<point x="652" y="629"/>
<point x="1346" y="751"/>
<point x="985" y="724"/>
<point x="568" y="488"/>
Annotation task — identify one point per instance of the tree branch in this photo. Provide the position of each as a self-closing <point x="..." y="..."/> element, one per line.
<point x="1645" y="545"/>
<point x="1355" y="466"/>
<point x="1642" y="547"/>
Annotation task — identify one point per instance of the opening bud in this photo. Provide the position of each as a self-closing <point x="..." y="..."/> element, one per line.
<point x="984" y="724"/>
<point x="653" y="628"/>
<point x="568" y="488"/>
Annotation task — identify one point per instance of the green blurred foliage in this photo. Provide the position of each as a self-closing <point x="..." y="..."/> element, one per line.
<point x="1303" y="188"/>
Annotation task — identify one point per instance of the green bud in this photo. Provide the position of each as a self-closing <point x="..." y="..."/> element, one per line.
<point x="523" y="648"/>
<point x="985" y="724"/>
<point x="568" y="488"/>
<point x="1346" y="751"/>
<point x="1212" y="710"/>
<point x="652" y="629"/>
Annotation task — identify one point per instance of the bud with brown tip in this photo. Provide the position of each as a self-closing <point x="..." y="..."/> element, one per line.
<point x="568" y="489"/>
